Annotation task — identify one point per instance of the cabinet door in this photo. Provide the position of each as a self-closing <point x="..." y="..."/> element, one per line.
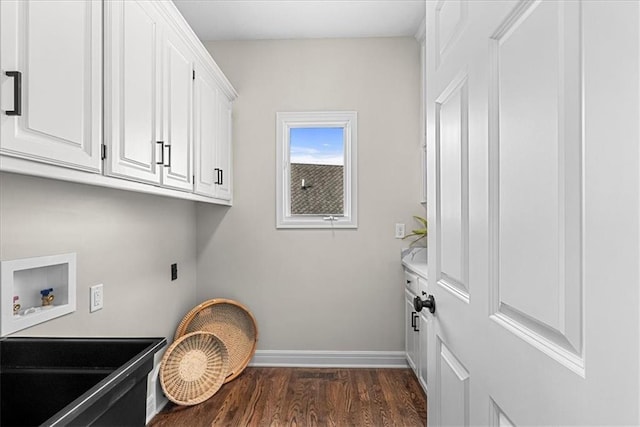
<point x="178" y="104"/>
<point x="206" y="126"/>
<point x="133" y="31"/>
<point x="410" y="332"/>
<point x="224" y="161"/>
<point x="56" y="46"/>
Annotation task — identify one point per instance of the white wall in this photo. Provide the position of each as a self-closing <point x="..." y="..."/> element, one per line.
<point x="317" y="289"/>
<point x="125" y="240"/>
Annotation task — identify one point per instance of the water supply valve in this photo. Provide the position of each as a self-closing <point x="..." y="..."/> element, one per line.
<point x="47" y="296"/>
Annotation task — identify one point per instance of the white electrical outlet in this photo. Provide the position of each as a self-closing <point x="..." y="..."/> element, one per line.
<point x="399" y="231"/>
<point x="97" y="298"/>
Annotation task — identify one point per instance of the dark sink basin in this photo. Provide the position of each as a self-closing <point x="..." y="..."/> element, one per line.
<point x="75" y="381"/>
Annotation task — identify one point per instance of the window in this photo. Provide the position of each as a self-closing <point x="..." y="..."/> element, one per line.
<point x="316" y="169"/>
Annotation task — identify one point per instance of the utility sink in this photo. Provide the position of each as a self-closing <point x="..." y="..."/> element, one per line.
<point x="75" y="381"/>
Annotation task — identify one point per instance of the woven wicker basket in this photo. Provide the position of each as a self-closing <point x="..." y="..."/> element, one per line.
<point x="194" y="368"/>
<point x="230" y="321"/>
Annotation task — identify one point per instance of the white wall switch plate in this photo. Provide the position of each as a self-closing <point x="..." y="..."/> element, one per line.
<point x="399" y="231"/>
<point x="97" y="298"/>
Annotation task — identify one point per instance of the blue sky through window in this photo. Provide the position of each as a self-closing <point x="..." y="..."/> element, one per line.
<point x="318" y="146"/>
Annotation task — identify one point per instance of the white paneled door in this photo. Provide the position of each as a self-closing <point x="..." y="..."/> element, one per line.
<point x="533" y="201"/>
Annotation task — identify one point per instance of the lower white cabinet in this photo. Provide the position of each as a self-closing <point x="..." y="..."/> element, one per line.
<point x="416" y="327"/>
<point x="411" y="331"/>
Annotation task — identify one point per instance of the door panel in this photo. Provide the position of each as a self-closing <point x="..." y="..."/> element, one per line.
<point x="498" y="418"/>
<point x="61" y="68"/>
<point x="453" y="385"/>
<point x="451" y="110"/>
<point x="450" y="18"/>
<point x="538" y="178"/>
<point x="139" y="92"/>
<point x="40" y="52"/>
<point x="545" y="327"/>
<point x="132" y="90"/>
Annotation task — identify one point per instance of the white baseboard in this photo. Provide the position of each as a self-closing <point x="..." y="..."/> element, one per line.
<point x="330" y="359"/>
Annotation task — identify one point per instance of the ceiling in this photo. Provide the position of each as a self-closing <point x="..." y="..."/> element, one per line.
<point x="296" y="19"/>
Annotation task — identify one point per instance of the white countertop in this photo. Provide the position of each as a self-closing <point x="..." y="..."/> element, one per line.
<point x="415" y="259"/>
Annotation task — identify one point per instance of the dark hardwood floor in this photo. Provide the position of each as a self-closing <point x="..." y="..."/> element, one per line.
<point x="308" y="397"/>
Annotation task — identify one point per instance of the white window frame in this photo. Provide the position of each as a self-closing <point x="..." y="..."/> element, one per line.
<point x="346" y="120"/>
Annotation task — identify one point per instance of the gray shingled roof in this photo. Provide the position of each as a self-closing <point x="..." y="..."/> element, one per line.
<point x="324" y="192"/>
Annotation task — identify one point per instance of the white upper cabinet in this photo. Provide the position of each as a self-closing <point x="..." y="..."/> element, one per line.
<point x="166" y="124"/>
<point x="149" y="81"/>
<point x="212" y="135"/>
<point x="205" y="127"/>
<point x="51" y="82"/>
<point x="224" y="151"/>
<point x="177" y="113"/>
<point x="133" y="35"/>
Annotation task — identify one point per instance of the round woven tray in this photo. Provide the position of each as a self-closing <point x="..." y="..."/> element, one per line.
<point x="194" y="368"/>
<point x="230" y="321"/>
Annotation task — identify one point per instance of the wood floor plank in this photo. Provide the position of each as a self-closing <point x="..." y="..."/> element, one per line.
<point x="379" y="402"/>
<point x="308" y="397"/>
<point x="338" y="400"/>
<point x="362" y="386"/>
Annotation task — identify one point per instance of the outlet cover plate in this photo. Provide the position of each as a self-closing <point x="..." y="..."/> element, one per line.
<point x="97" y="298"/>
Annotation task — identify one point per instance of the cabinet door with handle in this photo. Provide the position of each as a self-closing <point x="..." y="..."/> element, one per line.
<point x="51" y="82"/>
<point x="224" y="188"/>
<point x="133" y="31"/>
<point x="178" y="106"/>
<point x="212" y="137"/>
<point x="411" y="331"/>
<point x="206" y="126"/>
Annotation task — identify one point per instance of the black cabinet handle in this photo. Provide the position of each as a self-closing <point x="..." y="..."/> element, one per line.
<point x="221" y="176"/>
<point x="168" y="165"/>
<point x="415" y="323"/>
<point x="413" y="320"/>
<point x="161" y="162"/>
<point x="218" y="176"/>
<point x="17" y="93"/>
